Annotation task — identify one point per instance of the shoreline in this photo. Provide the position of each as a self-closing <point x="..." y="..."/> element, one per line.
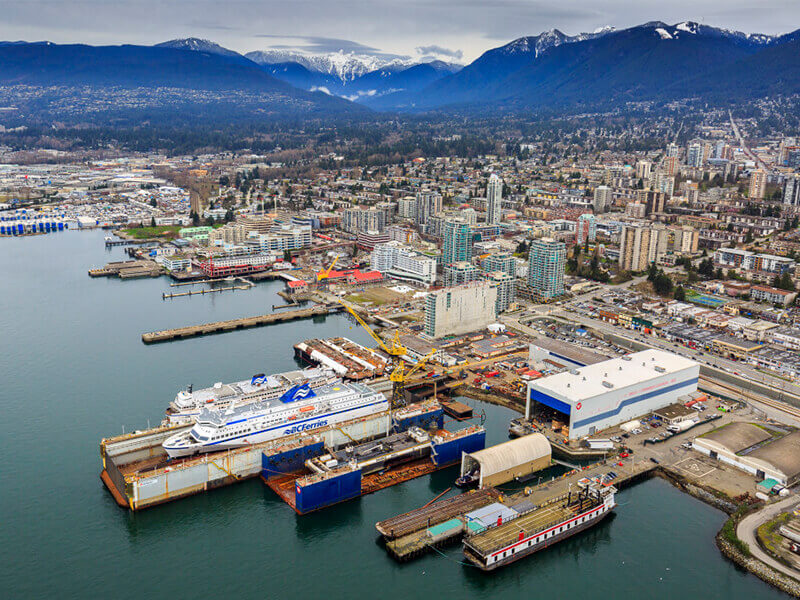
<point x="707" y="495"/>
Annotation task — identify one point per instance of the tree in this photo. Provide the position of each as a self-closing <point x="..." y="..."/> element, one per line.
<point x="195" y="218"/>
<point x="652" y="272"/>
<point x="154" y="203"/>
<point x="152" y="221"/>
<point x="662" y="284"/>
<point x="680" y="293"/>
<point x="706" y="268"/>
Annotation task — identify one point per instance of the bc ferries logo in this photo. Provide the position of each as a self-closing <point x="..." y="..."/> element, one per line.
<point x="305" y="427"/>
<point x="258" y="380"/>
<point x="298" y="392"/>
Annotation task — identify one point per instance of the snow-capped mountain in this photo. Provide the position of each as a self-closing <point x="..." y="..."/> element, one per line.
<point x="671" y="32"/>
<point x="197" y="45"/>
<point x="606" y="65"/>
<point x="346" y="66"/>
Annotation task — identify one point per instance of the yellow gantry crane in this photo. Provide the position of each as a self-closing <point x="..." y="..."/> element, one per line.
<point x="400" y="374"/>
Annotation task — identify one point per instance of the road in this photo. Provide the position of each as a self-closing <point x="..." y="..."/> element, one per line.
<point x="748" y="375"/>
<point x="746" y="531"/>
<point x="744" y="145"/>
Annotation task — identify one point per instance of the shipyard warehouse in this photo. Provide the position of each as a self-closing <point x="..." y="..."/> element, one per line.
<point x="602" y="395"/>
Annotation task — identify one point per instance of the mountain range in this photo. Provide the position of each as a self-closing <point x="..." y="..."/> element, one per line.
<point x="654" y="61"/>
<point x="606" y="68"/>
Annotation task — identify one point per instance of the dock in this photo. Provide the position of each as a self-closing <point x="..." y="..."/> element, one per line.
<point x="129" y="269"/>
<point x="412" y="534"/>
<point x="179" y="333"/>
<point x="171" y="295"/>
<point x="457" y="410"/>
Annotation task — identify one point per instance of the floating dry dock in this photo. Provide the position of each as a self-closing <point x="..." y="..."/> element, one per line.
<point x="337" y="476"/>
<point x="234" y="324"/>
<point x="138" y="473"/>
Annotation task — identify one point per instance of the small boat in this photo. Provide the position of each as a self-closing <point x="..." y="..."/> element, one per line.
<point x="468" y="479"/>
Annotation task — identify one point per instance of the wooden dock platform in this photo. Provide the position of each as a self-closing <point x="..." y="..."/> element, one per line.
<point x="409" y="535"/>
<point x="234" y="324"/>
<point x="433" y="514"/>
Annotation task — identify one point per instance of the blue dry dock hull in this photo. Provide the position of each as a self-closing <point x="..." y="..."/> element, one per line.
<point x="450" y="451"/>
<point x="313" y="496"/>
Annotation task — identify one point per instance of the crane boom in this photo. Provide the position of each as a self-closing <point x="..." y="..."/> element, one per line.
<point x="396" y="350"/>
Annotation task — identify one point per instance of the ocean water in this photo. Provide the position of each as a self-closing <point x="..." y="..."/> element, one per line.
<point x="73" y="370"/>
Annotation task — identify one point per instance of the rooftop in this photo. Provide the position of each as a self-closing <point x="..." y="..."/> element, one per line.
<point x="618" y="373"/>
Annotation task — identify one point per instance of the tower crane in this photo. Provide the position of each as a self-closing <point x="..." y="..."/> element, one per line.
<point x="400" y="373"/>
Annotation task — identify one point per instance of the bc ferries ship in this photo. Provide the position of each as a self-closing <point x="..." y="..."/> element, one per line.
<point x="299" y="409"/>
<point x="222" y="396"/>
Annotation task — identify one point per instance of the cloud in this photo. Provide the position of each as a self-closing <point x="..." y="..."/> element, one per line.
<point x="440" y="50"/>
<point x="321" y="45"/>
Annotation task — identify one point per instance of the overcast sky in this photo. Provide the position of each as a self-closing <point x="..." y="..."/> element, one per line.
<point x="450" y="28"/>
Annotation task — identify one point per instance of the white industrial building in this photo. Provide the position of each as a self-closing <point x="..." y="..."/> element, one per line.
<point x="608" y="393"/>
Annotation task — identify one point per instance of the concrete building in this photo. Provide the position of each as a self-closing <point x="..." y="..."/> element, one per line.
<point x="427" y="204"/>
<point x="457" y="238"/>
<point x="685" y="239"/>
<point x="643" y="169"/>
<point x="460" y="310"/>
<point x="506" y="286"/>
<point x="791" y="191"/>
<point x="763" y="293"/>
<point x="501" y="261"/>
<point x="494" y="200"/>
<point x="654" y="201"/>
<point x="407" y="208"/>
<point x="694" y="155"/>
<point x="758" y="184"/>
<point x="586" y="229"/>
<point x="612" y="392"/>
<point x="641" y="245"/>
<point x="602" y="199"/>
<point x="459" y="273"/>
<point x="355" y="220"/>
<point x="546" y="263"/>
<point x="398" y="261"/>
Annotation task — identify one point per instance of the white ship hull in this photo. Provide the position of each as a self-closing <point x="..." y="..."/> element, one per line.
<point x="274" y="432"/>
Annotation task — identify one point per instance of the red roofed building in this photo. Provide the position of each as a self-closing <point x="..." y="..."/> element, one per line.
<point x="358" y="277"/>
<point x="297" y="285"/>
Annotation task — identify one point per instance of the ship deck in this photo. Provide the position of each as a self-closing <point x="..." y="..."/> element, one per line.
<point x="528" y="524"/>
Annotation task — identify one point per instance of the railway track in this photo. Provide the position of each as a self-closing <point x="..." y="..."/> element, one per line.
<point x="750" y="396"/>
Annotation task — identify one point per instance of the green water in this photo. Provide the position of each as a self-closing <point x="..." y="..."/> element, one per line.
<point x="73" y="369"/>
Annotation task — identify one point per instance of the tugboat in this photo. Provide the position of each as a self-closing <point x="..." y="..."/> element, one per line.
<point x="468" y="479"/>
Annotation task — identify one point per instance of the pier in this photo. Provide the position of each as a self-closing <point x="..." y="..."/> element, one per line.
<point x="230" y="288"/>
<point x="179" y="333"/>
<point x="414" y="533"/>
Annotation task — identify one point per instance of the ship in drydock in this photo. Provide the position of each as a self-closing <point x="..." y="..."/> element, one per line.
<point x="496" y="545"/>
<point x="300" y="409"/>
<point x="259" y="388"/>
<point x="343" y="356"/>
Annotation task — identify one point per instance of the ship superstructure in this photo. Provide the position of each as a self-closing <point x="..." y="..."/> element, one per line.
<point x="188" y="403"/>
<point x="300" y="409"/>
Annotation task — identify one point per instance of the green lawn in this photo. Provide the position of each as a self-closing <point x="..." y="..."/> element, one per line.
<point x="167" y="232"/>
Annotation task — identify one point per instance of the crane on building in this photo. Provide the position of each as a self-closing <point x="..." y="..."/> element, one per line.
<point x="400" y="372"/>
